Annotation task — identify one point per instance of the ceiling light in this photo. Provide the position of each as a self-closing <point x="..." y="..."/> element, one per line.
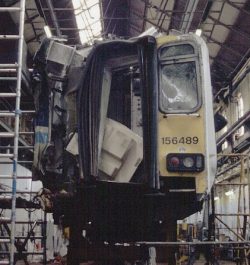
<point x="198" y="32"/>
<point x="47" y="31"/>
<point x="216" y="198"/>
<point x="229" y="193"/>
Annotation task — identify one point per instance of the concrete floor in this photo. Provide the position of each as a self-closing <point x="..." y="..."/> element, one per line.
<point x="202" y="261"/>
<point x="198" y="262"/>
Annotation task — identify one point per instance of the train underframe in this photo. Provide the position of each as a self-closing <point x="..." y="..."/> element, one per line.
<point x="106" y="226"/>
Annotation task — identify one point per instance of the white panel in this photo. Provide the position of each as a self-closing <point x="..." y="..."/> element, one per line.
<point x="229" y="15"/>
<point x="217" y="5"/>
<point x="156" y="2"/>
<point x="148" y="25"/>
<point x="229" y="205"/>
<point x="207" y="27"/>
<point x="122" y="152"/>
<point x="28" y="31"/>
<point x="22" y="184"/>
<point x="220" y="33"/>
<point x="106" y="84"/>
<point x="153" y="13"/>
<point x="213" y="49"/>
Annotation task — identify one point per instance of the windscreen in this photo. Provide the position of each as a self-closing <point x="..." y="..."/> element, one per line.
<point x="178" y="84"/>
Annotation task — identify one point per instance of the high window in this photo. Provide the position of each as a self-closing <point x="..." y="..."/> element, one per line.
<point x="87" y="14"/>
<point x="240" y="110"/>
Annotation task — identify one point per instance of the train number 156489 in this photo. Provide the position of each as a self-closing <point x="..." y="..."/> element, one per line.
<point x="180" y="140"/>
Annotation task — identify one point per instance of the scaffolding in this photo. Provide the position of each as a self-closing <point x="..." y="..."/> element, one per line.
<point x="11" y="245"/>
<point x="18" y="67"/>
<point x="235" y="175"/>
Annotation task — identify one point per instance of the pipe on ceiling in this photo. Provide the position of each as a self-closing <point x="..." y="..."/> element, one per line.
<point x="189" y="14"/>
<point x="233" y="128"/>
<point x="54" y="18"/>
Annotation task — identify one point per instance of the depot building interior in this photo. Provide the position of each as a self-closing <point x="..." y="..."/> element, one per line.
<point x="93" y="169"/>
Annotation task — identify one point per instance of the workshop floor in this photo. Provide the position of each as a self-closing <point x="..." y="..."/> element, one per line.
<point x="221" y="262"/>
<point x="198" y="262"/>
<point x="202" y="261"/>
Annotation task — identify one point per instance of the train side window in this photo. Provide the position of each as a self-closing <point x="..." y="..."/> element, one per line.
<point x="179" y="78"/>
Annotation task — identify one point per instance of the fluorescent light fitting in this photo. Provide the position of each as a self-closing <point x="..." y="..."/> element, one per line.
<point x="198" y="32"/>
<point x="47" y="31"/>
<point x="216" y="198"/>
<point x="229" y="193"/>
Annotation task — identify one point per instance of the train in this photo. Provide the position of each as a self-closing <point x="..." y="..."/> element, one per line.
<point x="124" y="141"/>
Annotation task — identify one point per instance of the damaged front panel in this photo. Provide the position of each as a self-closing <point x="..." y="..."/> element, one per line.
<point x="72" y="97"/>
<point x="55" y="83"/>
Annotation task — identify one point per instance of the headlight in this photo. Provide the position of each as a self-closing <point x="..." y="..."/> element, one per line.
<point x="188" y="161"/>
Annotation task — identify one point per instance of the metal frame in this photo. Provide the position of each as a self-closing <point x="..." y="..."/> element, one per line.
<point x="16" y="69"/>
<point x="244" y="167"/>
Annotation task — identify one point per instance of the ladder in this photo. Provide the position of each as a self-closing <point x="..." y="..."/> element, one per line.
<point x="15" y="67"/>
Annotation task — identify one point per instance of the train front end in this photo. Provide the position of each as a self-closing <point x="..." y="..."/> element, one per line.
<point x="186" y="135"/>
